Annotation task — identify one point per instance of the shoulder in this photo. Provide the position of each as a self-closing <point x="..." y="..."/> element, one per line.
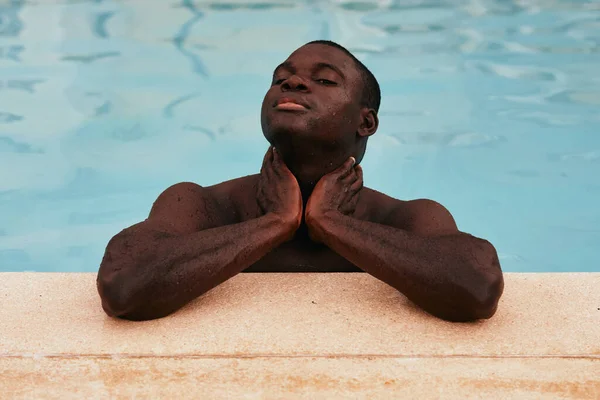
<point x="189" y="207"/>
<point x="182" y="208"/>
<point x="224" y="203"/>
<point x="182" y="194"/>
<point x="421" y="216"/>
<point x="424" y="216"/>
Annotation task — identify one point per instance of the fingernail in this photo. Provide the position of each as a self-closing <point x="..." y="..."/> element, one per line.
<point x="353" y="160"/>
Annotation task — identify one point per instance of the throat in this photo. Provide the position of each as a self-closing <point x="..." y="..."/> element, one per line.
<point x="306" y="190"/>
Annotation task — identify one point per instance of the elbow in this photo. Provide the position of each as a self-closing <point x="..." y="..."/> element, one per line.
<point x="469" y="304"/>
<point x="119" y="291"/>
<point x="492" y="287"/>
<point x="116" y="297"/>
<point x="111" y="283"/>
<point x="485" y="294"/>
<point x="480" y="303"/>
<point x="119" y="300"/>
<point x="485" y="302"/>
<point x="481" y="295"/>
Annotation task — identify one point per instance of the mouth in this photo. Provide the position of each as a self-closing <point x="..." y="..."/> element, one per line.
<point x="289" y="104"/>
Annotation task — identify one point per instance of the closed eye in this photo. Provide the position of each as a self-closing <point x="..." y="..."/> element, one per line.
<point x="278" y="81"/>
<point x="326" y="81"/>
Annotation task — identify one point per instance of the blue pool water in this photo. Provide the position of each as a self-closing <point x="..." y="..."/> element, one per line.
<point x="490" y="107"/>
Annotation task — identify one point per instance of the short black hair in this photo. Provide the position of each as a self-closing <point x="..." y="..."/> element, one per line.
<point x="371" y="94"/>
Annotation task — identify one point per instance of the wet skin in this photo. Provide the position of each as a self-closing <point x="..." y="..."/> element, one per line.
<point x="306" y="211"/>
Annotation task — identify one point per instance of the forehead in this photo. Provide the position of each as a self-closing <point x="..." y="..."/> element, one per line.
<point x="320" y="53"/>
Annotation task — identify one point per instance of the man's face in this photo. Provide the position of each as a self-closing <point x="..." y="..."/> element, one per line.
<point x="314" y="95"/>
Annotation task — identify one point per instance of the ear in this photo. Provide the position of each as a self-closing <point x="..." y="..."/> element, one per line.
<point x="368" y="122"/>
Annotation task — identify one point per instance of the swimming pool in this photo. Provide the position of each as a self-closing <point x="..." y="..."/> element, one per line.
<point x="490" y="107"/>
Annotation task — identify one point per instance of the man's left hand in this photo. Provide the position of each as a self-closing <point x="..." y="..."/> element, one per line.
<point x="335" y="192"/>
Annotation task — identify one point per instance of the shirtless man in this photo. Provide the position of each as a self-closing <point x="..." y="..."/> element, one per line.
<point x="306" y="211"/>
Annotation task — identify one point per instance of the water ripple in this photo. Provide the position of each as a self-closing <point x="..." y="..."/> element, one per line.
<point x="587" y="156"/>
<point x="405" y="28"/>
<point x="89" y="58"/>
<point x="211" y="135"/>
<point x="497" y="8"/>
<point x="259" y="6"/>
<point x="576" y="96"/>
<point x="474" y="139"/>
<point x="7" y="118"/>
<point x="180" y="38"/>
<point x="463" y="139"/>
<point x="11" y="52"/>
<point x="25" y="85"/>
<point x="129" y="134"/>
<point x="405" y="5"/>
<point x="168" y="109"/>
<point x="515" y="71"/>
<point x="99" y="25"/>
<point x="10" y="23"/>
<point x="542" y="117"/>
<point x="104" y="109"/>
<point x="10" y="145"/>
<point x="360" y="6"/>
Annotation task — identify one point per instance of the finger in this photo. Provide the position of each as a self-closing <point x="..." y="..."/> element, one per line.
<point x="353" y="189"/>
<point x="278" y="163"/>
<point x="357" y="175"/>
<point x="267" y="168"/>
<point x="349" y="205"/>
<point x="356" y="186"/>
<point x="351" y="201"/>
<point x="267" y="158"/>
<point x="349" y="178"/>
<point x="346" y="167"/>
<point x="351" y="194"/>
<point x="359" y="172"/>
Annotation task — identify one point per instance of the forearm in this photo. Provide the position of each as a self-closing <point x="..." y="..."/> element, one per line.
<point x="455" y="277"/>
<point x="148" y="274"/>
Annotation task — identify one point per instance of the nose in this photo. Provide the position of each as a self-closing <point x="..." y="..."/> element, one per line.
<point x="294" y="83"/>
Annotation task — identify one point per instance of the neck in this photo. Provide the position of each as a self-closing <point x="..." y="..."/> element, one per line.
<point x="310" y="164"/>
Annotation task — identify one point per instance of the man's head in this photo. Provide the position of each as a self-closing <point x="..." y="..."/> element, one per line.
<point x="336" y="101"/>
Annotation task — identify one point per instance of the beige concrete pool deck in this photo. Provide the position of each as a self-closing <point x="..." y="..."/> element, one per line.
<point x="300" y="335"/>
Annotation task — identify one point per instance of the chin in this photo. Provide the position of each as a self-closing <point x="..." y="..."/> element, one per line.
<point x="285" y="128"/>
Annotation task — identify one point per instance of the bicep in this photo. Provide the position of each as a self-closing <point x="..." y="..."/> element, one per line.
<point x="180" y="209"/>
<point x="424" y="217"/>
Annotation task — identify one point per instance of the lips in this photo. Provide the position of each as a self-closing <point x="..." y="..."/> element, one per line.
<point x="288" y="103"/>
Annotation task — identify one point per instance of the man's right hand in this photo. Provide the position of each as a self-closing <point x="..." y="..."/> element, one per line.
<point x="279" y="192"/>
